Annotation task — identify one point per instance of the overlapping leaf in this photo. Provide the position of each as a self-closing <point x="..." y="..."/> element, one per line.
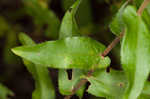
<point x="44" y="88"/>
<point x="70" y="51"/>
<point x="112" y="85"/>
<point x="109" y="85"/>
<point x="135" y="52"/>
<point x="5" y="92"/>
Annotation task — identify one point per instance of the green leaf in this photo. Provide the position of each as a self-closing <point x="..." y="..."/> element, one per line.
<point x="68" y="26"/>
<point x="43" y="16"/>
<point x="112" y="85"/>
<point x="71" y="52"/>
<point x="85" y="23"/>
<point x="25" y="40"/>
<point x="66" y="85"/>
<point x="135" y="55"/>
<point x="5" y="92"/>
<point x="109" y="85"/>
<point x="44" y="87"/>
<point x="117" y="24"/>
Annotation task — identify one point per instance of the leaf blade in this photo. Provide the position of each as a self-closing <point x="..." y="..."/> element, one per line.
<point x="76" y="52"/>
<point x="69" y="26"/>
<point x="135" y="53"/>
<point x="109" y="85"/>
<point x="112" y="85"/>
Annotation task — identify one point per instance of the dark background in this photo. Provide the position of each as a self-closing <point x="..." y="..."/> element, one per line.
<point x="93" y="19"/>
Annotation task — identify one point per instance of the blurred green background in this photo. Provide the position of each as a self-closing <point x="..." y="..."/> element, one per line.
<point x="41" y="19"/>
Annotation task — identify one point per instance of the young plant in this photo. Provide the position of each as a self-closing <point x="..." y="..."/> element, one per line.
<point x="87" y="57"/>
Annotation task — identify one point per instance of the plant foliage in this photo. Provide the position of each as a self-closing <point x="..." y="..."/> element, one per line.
<point x="81" y="54"/>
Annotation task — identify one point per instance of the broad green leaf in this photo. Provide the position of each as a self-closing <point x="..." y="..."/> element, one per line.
<point x="5" y="92"/>
<point x="135" y="55"/>
<point x="43" y="16"/>
<point x="44" y="87"/>
<point x="68" y="26"/>
<point x="112" y="85"/>
<point x="117" y="24"/>
<point x="71" y="52"/>
<point x="109" y="85"/>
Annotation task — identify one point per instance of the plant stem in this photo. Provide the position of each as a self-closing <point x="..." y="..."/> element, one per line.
<point x="112" y="44"/>
<point x="107" y="50"/>
<point x="142" y="7"/>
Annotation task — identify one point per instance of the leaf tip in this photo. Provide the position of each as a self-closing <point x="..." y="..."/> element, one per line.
<point x="15" y="51"/>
